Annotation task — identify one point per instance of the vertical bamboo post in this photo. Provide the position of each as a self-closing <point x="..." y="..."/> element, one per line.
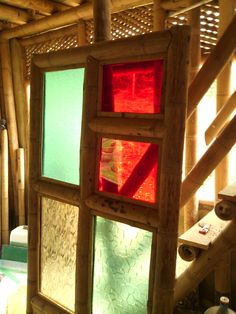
<point x="82" y="40"/>
<point x="102" y="20"/>
<point x="4" y="188"/>
<point x="22" y="112"/>
<point x="191" y="208"/>
<point x="9" y="101"/>
<point x="21" y="185"/>
<point x="102" y="26"/>
<point x="159" y="16"/>
<point x="223" y="271"/>
<point x="171" y="170"/>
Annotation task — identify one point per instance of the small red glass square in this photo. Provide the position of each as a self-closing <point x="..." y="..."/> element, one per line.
<point x="132" y="87"/>
<point x="129" y="169"/>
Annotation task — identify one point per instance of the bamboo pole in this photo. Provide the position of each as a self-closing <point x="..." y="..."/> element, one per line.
<point x="191" y="208"/>
<point x="35" y="173"/>
<point x="206" y="262"/>
<point x="4" y="188"/>
<point x="208" y="162"/>
<point x="124" y="126"/>
<point x="170" y="172"/>
<point x="225" y="210"/>
<point x="132" y="212"/>
<point x="102" y="20"/>
<point x="159" y="16"/>
<point x="212" y="67"/>
<point x="10" y="112"/>
<point x="223" y="269"/>
<point x="82" y="40"/>
<point x="22" y="113"/>
<point x="14" y="15"/>
<point x="21" y="185"/>
<point x="125" y="47"/>
<point x="221" y="118"/>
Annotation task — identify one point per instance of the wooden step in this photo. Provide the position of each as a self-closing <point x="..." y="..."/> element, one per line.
<point x="228" y="193"/>
<point x="193" y="238"/>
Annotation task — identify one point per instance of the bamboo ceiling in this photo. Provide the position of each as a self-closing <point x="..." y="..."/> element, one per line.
<point x="131" y="17"/>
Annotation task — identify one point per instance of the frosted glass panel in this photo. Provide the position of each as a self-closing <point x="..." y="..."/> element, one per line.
<point x="58" y="251"/>
<point x="121" y="268"/>
<point x="62" y="124"/>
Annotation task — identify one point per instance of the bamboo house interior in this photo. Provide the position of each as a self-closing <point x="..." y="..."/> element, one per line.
<point x="117" y="156"/>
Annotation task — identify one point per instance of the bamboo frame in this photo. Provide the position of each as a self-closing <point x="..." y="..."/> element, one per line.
<point x="170" y="172"/>
<point x="212" y="67"/>
<point x="221" y="118"/>
<point x="208" y="162"/>
<point x="125" y="47"/>
<point x="9" y="103"/>
<point x="4" y="188"/>
<point x="131" y="127"/>
<point x="130" y="212"/>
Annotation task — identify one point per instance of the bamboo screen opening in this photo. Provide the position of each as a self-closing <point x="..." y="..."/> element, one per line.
<point x="62" y="124"/>
<point x="59" y="222"/>
<point x="121" y="268"/>
<point x="132" y="87"/>
<point x="129" y="168"/>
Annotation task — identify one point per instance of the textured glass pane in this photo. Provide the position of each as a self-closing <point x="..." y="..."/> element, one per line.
<point x="62" y="124"/>
<point x="58" y="251"/>
<point x="132" y="87"/>
<point x="121" y="268"/>
<point x="129" y="168"/>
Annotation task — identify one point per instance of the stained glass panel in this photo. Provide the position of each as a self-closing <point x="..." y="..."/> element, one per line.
<point x="62" y="124"/>
<point x="132" y="87"/>
<point x="129" y="168"/>
<point x="58" y="251"/>
<point x="121" y="268"/>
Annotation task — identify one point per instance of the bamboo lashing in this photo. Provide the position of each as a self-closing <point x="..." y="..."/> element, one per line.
<point x="9" y="105"/>
<point x="221" y="118"/>
<point x="206" y="262"/>
<point x="212" y="67"/>
<point x="208" y="162"/>
<point x="4" y="188"/>
<point x="21" y="185"/>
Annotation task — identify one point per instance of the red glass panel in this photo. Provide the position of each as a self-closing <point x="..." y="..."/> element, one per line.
<point x="129" y="169"/>
<point x="132" y="87"/>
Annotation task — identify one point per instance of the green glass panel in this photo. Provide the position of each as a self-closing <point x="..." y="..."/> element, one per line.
<point x="121" y="268"/>
<point x="62" y="124"/>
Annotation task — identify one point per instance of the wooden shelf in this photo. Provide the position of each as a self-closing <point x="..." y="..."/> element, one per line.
<point x="228" y="193"/>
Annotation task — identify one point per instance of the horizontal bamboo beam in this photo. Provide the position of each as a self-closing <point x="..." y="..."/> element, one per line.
<point x="125" y="126"/>
<point x="225" y="210"/>
<point x="51" y="35"/>
<point x="154" y="43"/>
<point x="208" y="162"/>
<point x="190" y="7"/>
<point x="61" y="192"/>
<point x="14" y="15"/>
<point x="212" y="67"/>
<point x="136" y="213"/>
<point x="205" y="263"/>
<point x="41" y="6"/>
<point x="222" y="117"/>
<point x="188" y="252"/>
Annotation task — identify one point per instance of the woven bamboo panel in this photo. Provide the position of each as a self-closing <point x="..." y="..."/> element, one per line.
<point x="134" y="22"/>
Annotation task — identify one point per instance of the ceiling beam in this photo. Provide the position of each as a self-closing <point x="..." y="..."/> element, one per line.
<point x="46" y="7"/>
<point x="14" y="15"/>
<point x="72" y="3"/>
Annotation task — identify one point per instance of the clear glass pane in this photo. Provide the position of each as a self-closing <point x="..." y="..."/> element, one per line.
<point x="129" y="168"/>
<point x="132" y="87"/>
<point x="62" y="124"/>
<point x="58" y="251"/>
<point x="121" y="268"/>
